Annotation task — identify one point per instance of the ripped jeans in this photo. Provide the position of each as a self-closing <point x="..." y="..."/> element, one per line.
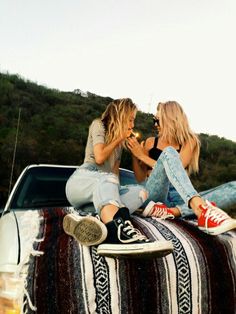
<point x="90" y="185"/>
<point x="170" y="184"/>
<point x="223" y="195"/>
<point x="168" y="171"/>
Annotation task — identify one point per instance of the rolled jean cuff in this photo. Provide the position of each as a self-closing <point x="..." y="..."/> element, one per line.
<point x="108" y="202"/>
<point x="189" y="197"/>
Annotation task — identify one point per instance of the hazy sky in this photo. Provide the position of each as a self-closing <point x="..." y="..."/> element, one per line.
<point x="148" y="50"/>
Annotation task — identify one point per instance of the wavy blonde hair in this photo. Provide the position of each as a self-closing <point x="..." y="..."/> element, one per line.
<point x="175" y="129"/>
<point x="116" y="117"/>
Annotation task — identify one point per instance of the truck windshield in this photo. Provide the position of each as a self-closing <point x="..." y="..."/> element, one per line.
<point x="42" y="187"/>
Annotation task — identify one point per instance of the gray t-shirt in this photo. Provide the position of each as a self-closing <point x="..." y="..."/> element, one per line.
<point x="97" y="136"/>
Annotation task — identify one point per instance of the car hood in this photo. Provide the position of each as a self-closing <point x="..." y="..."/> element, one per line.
<point x="17" y="234"/>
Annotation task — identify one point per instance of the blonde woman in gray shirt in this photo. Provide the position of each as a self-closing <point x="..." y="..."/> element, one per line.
<point x="97" y="181"/>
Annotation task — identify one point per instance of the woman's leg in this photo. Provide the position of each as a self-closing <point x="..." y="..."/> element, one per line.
<point x="109" y="196"/>
<point x="210" y="218"/>
<point x="223" y="195"/>
<point x="109" y="191"/>
<point x="133" y="196"/>
<point x="80" y="187"/>
<point x="167" y="169"/>
<point x="104" y="191"/>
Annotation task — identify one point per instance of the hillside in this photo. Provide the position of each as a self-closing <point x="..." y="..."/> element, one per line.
<point x="53" y="129"/>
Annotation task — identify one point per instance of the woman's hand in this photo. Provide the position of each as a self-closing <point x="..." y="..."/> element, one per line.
<point x="139" y="152"/>
<point x="135" y="147"/>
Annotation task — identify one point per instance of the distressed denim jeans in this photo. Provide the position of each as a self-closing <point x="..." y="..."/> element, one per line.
<point x="223" y="195"/>
<point x="168" y="171"/>
<point x="170" y="184"/>
<point x="90" y="185"/>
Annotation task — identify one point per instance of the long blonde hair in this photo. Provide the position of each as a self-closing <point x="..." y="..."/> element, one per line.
<point x="175" y="129"/>
<point x="116" y="117"/>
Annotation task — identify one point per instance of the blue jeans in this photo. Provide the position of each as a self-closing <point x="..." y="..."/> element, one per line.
<point x="89" y="185"/>
<point x="170" y="184"/>
<point x="223" y="195"/>
<point x="168" y="171"/>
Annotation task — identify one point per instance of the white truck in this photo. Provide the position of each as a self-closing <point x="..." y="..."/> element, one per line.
<point x="51" y="273"/>
<point x="38" y="186"/>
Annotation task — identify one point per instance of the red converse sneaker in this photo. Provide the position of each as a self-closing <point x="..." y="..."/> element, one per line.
<point x="158" y="210"/>
<point x="215" y="221"/>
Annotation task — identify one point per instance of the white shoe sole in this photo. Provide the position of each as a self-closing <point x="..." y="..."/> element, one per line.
<point x="226" y="226"/>
<point x="87" y="230"/>
<point x="148" y="208"/>
<point x="142" y="250"/>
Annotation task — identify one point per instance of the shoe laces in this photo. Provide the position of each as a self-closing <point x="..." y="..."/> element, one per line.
<point x="214" y="214"/>
<point x="161" y="211"/>
<point x="135" y="234"/>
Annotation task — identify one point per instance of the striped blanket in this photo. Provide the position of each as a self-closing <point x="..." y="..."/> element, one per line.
<point x="199" y="277"/>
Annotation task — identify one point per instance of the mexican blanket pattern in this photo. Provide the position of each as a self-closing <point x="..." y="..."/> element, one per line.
<point x="199" y="277"/>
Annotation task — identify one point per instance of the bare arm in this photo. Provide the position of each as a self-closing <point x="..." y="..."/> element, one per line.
<point x="141" y="154"/>
<point x="140" y="158"/>
<point x="116" y="168"/>
<point x="103" y="151"/>
<point x="186" y="153"/>
<point x="140" y="169"/>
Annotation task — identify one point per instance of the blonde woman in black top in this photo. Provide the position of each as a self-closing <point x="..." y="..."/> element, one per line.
<point x="163" y="166"/>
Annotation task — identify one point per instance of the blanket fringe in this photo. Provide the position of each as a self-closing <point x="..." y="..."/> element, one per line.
<point x="28" y="237"/>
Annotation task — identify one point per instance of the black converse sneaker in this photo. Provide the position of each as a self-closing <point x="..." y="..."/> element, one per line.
<point x="123" y="240"/>
<point x="87" y="230"/>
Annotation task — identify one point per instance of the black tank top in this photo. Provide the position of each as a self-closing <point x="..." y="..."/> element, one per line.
<point x="155" y="152"/>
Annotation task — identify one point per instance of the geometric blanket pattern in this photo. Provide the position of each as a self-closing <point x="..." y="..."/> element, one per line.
<point x="199" y="277"/>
